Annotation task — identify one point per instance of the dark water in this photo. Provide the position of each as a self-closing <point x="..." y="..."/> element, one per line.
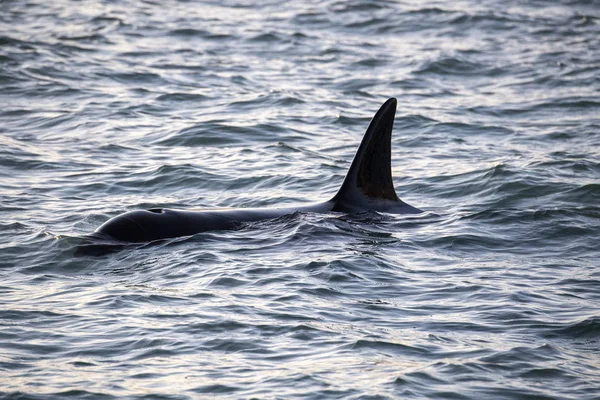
<point x="111" y="106"/>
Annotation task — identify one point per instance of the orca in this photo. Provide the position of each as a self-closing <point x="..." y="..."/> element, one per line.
<point x="368" y="186"/>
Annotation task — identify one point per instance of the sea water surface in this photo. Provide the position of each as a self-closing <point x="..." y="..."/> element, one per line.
<point x="493" y="292"/>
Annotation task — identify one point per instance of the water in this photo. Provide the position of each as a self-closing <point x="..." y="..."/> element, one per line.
<point x="493" y="292"/>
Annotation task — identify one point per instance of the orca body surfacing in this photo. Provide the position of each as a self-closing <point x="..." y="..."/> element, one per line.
<point x="368" y="186"/>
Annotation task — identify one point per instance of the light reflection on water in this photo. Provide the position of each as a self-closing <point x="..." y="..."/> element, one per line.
<point x="491" y="293"/>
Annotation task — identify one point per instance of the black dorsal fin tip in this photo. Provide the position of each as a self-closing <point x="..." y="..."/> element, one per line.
<point x="369" y="178"/>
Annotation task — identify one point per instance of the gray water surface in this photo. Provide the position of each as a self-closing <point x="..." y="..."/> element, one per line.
<point x="112" y="106"/>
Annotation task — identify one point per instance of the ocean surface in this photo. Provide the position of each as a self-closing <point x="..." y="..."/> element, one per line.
<point x="110" y="106"/>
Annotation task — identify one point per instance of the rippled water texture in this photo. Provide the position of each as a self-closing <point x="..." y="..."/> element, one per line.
<point x="111" y="106"/>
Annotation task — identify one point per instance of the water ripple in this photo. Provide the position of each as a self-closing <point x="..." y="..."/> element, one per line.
<point x="491" y="293"/>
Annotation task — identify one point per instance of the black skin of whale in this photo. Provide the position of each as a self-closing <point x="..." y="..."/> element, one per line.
<point x="368" y="186"/>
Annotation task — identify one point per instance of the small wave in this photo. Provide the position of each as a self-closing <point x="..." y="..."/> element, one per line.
<point x="458" y="66"/>
<point x="567" y="167"/>
<point x="488" y="21"/>
<point x="270" y="37"/>
<point x="198" y="33"/>
<point x="580" y="105"/>
<point x="188" y="32"/>
<point x="357" y="7"/>
<point x="367" y="23"/>
<point x="588" y="329"/>
<point x="181" y="97"/>
<point x="585" y="194"/>
<point x="135" y="77"/>
<point x="389" y="347"/>
<point x="370" y="62"/>
<point x="91" y="38"/>
<point x="212" y="133"/>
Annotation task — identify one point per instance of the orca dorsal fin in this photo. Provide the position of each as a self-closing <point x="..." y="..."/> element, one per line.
<point x="368" y="184"/>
